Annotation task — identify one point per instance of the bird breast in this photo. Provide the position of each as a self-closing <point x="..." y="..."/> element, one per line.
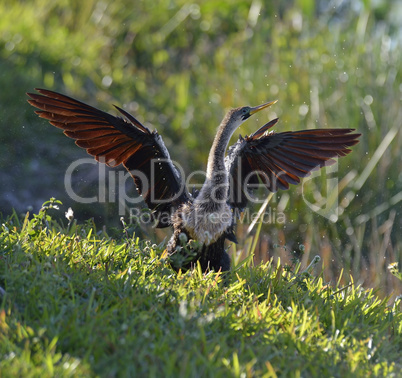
<point x="206" y="223"/>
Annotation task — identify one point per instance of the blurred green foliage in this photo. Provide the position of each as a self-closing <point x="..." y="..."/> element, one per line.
<point x="178" y="66"/>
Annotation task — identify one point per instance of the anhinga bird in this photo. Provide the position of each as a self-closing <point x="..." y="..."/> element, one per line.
<point x="201" y="222"/>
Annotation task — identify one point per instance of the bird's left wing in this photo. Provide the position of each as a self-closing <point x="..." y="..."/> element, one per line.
<point x="114" y="140"/>
<point x="280" y="159"/>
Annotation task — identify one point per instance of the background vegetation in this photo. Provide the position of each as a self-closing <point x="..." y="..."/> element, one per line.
<point x="178" y="66"/>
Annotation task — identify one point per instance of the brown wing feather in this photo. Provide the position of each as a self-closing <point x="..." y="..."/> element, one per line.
<point x="280" y="159"/>
<point x="113" y="140"/>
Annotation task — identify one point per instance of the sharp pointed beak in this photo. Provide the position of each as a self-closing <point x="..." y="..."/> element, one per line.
<point x="260" y="107"/>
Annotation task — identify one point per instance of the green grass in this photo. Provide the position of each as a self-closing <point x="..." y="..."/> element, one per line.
<point x="78" y="302"/>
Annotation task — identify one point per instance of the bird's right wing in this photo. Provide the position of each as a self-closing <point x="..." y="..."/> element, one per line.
<point x="114" y="140"/>
<point x="280" y="159"/>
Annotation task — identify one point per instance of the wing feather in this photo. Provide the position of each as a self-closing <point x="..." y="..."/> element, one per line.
<point x="114" y="140"/>
<point x="280" y="159"/>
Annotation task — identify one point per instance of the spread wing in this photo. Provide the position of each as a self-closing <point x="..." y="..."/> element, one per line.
<point x="280" y="159"/>
<point x="114" y="140"/>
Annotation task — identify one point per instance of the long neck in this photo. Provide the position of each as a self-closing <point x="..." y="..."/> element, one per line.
<point x="216" y="158"/>
<point x="216" y="186"/>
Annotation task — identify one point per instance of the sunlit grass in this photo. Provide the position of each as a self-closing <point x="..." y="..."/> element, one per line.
<point x="75" y="301"/>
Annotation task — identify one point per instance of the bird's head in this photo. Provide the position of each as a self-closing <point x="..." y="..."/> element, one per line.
<point x="247" y="111"/>
<point x="237" y="116"/>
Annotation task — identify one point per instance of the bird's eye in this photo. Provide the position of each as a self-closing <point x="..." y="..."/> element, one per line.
<point x="245" y="113"/>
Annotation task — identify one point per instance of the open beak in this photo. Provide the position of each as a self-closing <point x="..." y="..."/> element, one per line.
<point x="260" y="107"/>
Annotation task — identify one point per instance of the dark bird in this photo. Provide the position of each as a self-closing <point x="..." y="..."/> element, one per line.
<point x="201" y="222"/>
